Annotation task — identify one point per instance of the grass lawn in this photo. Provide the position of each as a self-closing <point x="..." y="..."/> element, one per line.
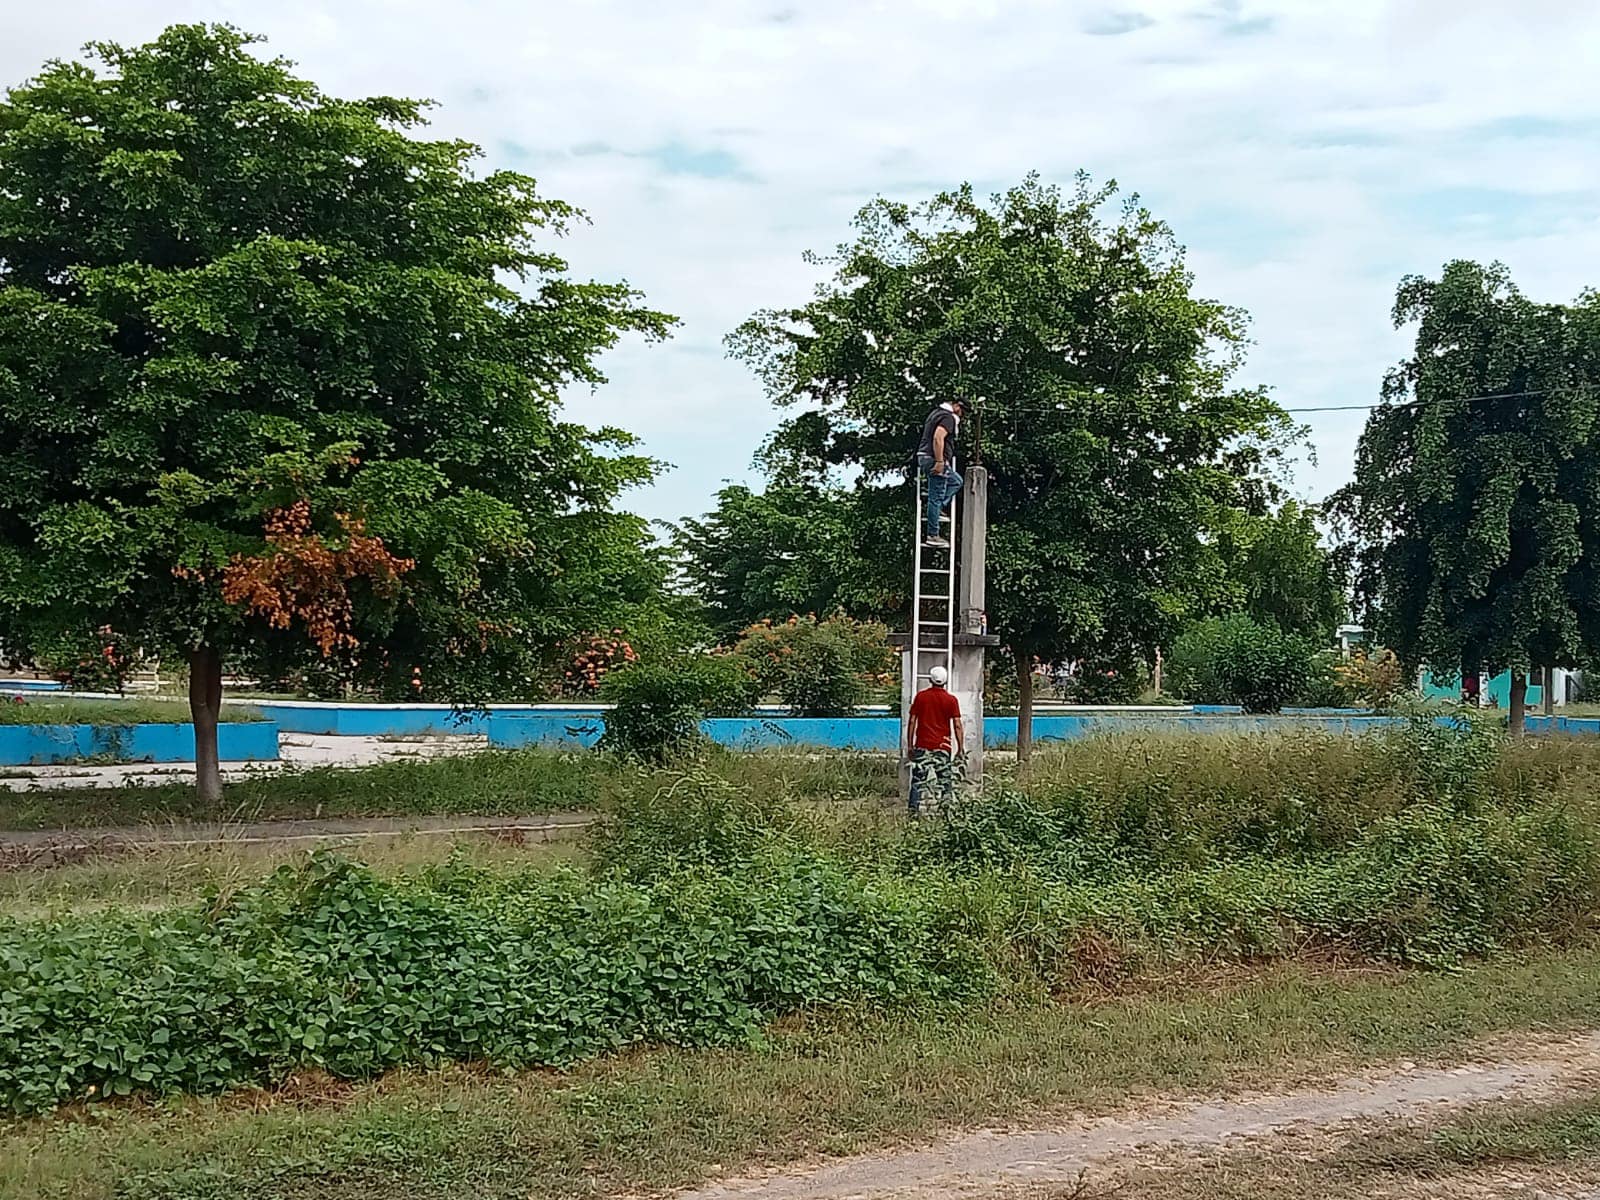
<point x="141" y="711"/>
<point x="1142" y="916"/>
<point x="494" y="783"/>
<point x="656" y="1119"/>
<point x="151" y="879"/>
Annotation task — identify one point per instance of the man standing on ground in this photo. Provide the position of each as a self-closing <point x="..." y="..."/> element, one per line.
<point x="936" y="459"/>
<point x="935" y="720"/>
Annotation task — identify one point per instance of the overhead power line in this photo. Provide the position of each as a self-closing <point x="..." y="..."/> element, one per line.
<point x="1327" y="408"/>
<point x="1440" y="400"/>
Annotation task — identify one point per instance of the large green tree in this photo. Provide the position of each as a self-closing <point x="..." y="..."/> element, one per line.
<point x="1113" y="433"/>
<point x="791" y="548"/>
<point x="1278" y="570"/>
<point x="279" y="380"/>
<point x="1475" y="508"/>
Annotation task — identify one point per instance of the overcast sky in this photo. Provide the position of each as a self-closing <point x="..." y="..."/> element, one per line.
<point x="1308" y="153"/>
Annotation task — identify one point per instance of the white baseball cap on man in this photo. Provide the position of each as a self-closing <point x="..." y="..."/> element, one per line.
<point x="938" y="677"/>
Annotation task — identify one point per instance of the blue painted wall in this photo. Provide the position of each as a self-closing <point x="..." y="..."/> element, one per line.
<point x="401" y="720"/>
<point x="41" y="745"/>
<point x="1496" y="691"/>
<point x="1577" y="726"/>
<point x="11" y="687"/>
<point x="580" y="730"/>
<point x="367" y="720"/>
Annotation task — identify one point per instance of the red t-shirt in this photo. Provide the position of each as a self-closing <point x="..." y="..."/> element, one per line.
<point x="934" y="708"/>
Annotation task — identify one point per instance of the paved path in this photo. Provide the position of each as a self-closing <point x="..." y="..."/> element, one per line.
<point x="297" y="750"/>
<point x="991" y="1162"/>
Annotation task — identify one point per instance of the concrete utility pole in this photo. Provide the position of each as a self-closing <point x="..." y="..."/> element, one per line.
<point x="969" y="638"/>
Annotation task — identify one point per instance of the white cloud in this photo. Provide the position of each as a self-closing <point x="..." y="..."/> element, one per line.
<point x="1308" y="154"/>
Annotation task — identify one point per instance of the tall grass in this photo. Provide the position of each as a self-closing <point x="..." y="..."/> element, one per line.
<point x="714" y="904"/>
<point x="1183" y="800"/>
<point x="494" y="783"/>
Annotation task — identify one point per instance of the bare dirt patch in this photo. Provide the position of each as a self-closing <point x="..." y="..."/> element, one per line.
<point x="1077" y="1157"/>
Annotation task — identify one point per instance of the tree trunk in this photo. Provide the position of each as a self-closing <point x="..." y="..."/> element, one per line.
<point x="205" y="706"/>
<point x="1519" y="702"/>
<point x="1155" y="681"/>
<point x="1024" y="707"/>
<point x="1549" y="691"/>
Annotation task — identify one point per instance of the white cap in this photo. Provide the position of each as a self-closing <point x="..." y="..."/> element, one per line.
<point x="938" y="677"/>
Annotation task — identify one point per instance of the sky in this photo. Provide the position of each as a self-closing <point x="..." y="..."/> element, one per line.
<point x="1309" y="154"/>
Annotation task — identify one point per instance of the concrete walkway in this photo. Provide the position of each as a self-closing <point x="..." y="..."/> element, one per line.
<point x="1056" y="1160"/>
<point x="297" y="750"/>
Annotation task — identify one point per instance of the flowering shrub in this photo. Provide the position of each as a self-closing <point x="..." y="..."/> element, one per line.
<point x="818" y="668"/>
<point x="1375" y="679"/>
<point x="591" y="659"/>
<point x="87" y="660"/>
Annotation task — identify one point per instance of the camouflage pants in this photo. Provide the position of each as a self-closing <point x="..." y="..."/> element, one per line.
<point x="933" y="780"/>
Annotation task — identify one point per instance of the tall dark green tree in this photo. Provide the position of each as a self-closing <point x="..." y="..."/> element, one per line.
<point x="1277" y="570"/>
<point x="1113" y="432"/>
<point x="792" y="548"/>
<point x="1475" y="508"/>
<point x="268" y="393"/>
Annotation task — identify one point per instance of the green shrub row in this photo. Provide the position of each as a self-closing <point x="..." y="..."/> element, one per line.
<point x="334" y="968"/>
<point x="708" y="913"/>
<point x="1427" y="887"/>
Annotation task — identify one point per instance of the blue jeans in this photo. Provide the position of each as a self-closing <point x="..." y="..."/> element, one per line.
<point x="941" y="489"/>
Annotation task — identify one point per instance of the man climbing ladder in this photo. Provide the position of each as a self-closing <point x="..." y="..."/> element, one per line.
<point x="936" y="459"/>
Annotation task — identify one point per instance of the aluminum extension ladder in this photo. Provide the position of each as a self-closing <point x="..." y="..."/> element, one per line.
<point x="933" y="608"/>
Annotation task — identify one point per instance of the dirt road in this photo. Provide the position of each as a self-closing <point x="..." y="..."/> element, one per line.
<point x="1064" y="1160"/>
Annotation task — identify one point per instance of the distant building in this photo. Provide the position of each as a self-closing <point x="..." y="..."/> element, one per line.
<point x="1495" y="692"/>
<point x="1351" y="637"/>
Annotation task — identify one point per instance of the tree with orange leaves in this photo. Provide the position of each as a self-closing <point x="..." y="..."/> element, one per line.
<point x="269" y="398"/>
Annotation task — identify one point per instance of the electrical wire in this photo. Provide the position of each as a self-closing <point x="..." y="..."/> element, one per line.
<point x="1331" y="408"/>
<point x="1556" y="391"/>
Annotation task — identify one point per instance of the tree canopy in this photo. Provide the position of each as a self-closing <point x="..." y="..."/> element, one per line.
<point x="1277" y="570"/>
<point x="792" y="548"/>
<point x="1113" y="433"/>
<point x="1475" y="508"/>
<point x="279" y="381"/>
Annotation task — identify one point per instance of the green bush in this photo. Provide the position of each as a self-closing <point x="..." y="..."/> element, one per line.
<point x="1235" y="660"/>
<point x="1431" y="885"/>
<point x="1121" y="683"/>
<point x="659" y="706"/>
<point x="711" y="908"/>
<point x="333" y="968"/>
<point x="819" y="668"/>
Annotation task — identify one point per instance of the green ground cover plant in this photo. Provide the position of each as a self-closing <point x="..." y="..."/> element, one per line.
<point x="711" y="908"/>
<point x="823" y="1083"/>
